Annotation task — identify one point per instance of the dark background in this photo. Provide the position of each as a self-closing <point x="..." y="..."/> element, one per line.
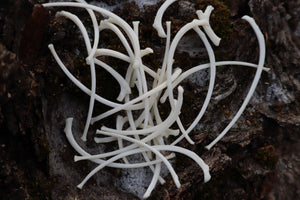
<point x="258" y="159"/>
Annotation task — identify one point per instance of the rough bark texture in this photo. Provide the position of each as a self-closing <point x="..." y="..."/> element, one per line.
<point x="258" y="159"/>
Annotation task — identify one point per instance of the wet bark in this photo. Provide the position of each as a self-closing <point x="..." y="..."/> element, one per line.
<point x="258" y="159"/>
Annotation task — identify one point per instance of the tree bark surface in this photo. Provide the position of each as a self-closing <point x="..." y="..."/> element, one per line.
<point x="258" y="159"/>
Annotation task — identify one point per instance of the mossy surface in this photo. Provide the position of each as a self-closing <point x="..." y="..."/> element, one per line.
<point x="220" y="18"/>
<point x="267" y="156"/>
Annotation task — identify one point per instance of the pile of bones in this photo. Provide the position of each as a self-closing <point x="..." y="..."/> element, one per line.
<point x="146" y="133"/>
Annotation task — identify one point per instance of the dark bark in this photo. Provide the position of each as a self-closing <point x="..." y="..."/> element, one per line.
<point x="258" y="159"/>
